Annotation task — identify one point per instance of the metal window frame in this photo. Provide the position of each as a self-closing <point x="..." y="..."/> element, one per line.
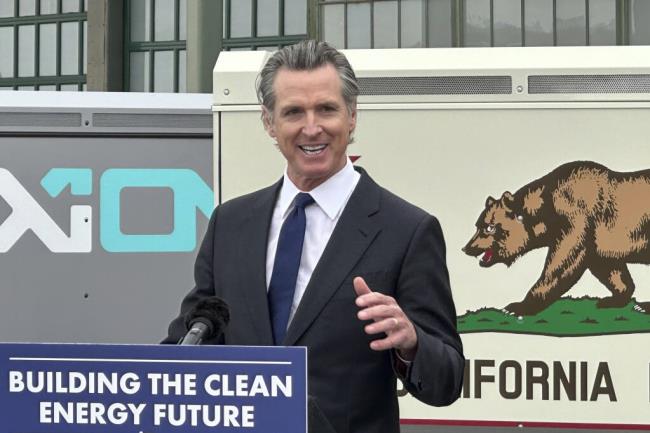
<point x="458" y="9"/>
<point x="151" y="47"/>
<point x="254" y="42"/>
<point x="622" y="20"/>
<point x="37" y="20"/>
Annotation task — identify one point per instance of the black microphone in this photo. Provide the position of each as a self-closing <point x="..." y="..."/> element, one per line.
<point x="206" y="320"/>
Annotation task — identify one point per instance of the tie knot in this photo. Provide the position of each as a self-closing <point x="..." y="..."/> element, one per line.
<point x="303" y="200"/>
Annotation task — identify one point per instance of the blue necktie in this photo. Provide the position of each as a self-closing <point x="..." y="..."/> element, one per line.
<point x="285" y="267"/>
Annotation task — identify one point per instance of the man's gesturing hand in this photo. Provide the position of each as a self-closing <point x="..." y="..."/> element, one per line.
<point x="389" y="318"/>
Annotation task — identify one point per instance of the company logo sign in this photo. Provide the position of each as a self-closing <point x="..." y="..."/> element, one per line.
<point x="189" y="190"/>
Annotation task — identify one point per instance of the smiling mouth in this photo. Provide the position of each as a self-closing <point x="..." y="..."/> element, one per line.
<point x="313" y="149"/>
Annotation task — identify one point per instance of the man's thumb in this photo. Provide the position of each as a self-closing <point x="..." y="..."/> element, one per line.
<point x="360" y="286"/>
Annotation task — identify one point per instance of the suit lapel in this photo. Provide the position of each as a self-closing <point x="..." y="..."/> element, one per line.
<point x="253" y="251"/>
<point x="353" y="234"/>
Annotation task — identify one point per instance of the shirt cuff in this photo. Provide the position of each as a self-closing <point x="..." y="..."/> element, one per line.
<point x="402" y="366"/>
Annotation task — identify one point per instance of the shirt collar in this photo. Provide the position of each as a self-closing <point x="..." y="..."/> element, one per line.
<point x="330" y="195"/>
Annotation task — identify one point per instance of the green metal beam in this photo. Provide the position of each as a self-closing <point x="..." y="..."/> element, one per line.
<point x="623" y="22"/>
<point x="262" y="41"/>
<point x="204" y="42"/>
<point x="157" y="46"/>
<point x="50" y="80"/>
<point x="42" y="19"/>
<point x="313" y="14"/>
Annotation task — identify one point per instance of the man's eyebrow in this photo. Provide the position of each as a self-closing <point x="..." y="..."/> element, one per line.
<point x="289" y="107"/>
<point x="330" y="103"/>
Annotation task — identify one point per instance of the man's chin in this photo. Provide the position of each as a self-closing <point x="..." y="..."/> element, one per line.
<point x="313" y="173"/>
<point x="307" y="180"/>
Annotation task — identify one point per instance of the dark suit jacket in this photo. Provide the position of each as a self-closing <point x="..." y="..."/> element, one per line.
<point x="396" y="247"/>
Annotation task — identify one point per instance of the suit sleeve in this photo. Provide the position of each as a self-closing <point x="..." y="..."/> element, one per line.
<point x="423" y="292"/>
<point x="203" y="288"/>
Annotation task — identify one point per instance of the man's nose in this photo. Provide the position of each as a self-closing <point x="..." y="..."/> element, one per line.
<point x="312" y="126"/>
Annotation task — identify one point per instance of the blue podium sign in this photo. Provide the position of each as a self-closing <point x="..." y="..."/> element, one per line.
<point x="87" y="388"/>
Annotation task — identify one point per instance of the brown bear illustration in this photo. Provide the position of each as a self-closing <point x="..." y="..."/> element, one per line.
<point x="589" y="217"/>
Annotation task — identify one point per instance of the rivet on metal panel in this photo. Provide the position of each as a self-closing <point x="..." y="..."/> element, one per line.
<point x="520" y="89"/>
<point x="226" y="92"/>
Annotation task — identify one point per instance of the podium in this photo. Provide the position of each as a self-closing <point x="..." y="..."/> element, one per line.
<point x="87" y="388"/>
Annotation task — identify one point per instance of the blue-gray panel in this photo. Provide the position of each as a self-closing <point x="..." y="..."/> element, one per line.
<point x="101" y="296"/>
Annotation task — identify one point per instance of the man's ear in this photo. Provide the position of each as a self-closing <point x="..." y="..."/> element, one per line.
<point x="268" y="124"/>
<point x="353" y="119"/>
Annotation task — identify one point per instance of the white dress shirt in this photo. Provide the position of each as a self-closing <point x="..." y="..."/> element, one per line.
<point x="330" y="199"/>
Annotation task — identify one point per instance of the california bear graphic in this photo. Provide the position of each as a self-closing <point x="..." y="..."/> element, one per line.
<point x="589" y="217"/>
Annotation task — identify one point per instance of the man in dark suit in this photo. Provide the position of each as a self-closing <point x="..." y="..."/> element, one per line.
<point x="328" y="259"/>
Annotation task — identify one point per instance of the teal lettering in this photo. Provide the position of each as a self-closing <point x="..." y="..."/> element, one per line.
<point x="79" y="179"/>
<point x="190" y="192"/>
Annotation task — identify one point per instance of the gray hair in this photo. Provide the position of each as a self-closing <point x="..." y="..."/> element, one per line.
<point x="306" y="56"/>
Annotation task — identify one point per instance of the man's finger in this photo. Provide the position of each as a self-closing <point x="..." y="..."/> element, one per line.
<point x="374" y="298"/>
<point x="392" y="341"/>
<point x="388" y="325"/>
<point x="360" y="286"/>
<point x="378" y="312"/>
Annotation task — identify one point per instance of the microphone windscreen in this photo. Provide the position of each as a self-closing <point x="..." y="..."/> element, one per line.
<point x="213" y="311"/>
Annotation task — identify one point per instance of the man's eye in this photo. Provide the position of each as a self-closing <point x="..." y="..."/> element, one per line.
<point x="490" y="229"/>
<point x="291" y="112"/>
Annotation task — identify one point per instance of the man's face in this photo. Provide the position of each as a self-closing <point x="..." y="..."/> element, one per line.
<point x="311" y="124"/>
